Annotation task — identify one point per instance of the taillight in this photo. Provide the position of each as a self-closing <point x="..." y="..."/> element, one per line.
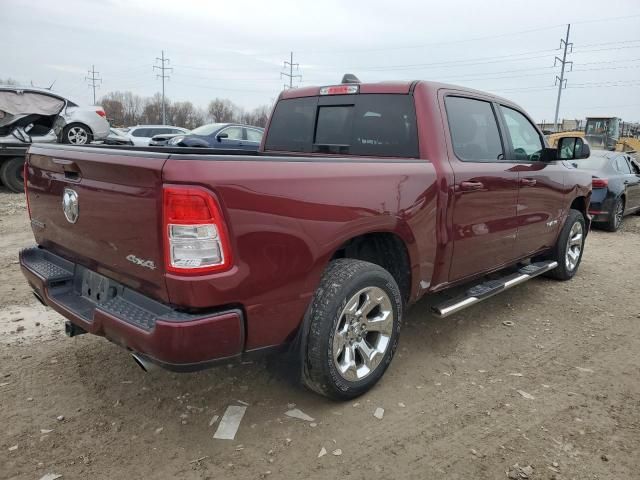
<point x="599" y="182"/>
<point x="339" y="90"/>
<point x="196" y="239"/>
<point x="101" y="113"/>
<point x="25" y="170"/>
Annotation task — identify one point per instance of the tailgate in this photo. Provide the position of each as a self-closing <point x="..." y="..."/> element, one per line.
<point x="119" y="205"/>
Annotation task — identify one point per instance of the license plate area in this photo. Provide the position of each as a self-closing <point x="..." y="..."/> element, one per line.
<point x="98" y="288"/>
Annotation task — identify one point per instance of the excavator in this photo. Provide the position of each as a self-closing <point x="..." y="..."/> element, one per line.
<point x="602" y="133"/>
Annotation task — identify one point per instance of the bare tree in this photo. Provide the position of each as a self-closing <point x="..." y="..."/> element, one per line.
<point x="122" y="108"/>
<point x="258" y="116"/>
<point x="126" y="109"/>
<point x="222" y="110"/>
<point x="152" y="110"/>
<point x="184" y="114"/>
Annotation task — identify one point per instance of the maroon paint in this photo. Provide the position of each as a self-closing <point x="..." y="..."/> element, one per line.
<point x="203" y="340"/>
<point x="288" y="216"/>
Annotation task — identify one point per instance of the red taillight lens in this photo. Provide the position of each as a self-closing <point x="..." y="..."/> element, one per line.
<point x="599" y="182"/>
<point x="101" y="113"/>
<point x="196" y="239"/>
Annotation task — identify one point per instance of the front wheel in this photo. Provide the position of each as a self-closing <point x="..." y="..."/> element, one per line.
<point x="76" y="134"/>
<point x="569" y="247"/>
<point x="354" y="324"/>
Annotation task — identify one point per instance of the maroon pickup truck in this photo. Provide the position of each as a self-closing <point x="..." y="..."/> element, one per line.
<point x="362" y="199"/>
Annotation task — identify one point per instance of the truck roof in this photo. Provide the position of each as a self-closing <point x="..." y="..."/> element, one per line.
<point x="397" y="87"/>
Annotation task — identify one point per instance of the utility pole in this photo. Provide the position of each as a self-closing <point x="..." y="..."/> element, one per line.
<point x="560" y="81"/>
<point x="163" y="76"/>
<point x="291" y="76"/>
<point x="94" y="81"/>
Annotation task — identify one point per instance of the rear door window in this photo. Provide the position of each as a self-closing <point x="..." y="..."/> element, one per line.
<point x="622" y="166"/>
<point x="140" y="132"/>
<point x="474" y="130"/>
<point x="234" y="133"/>
<point x="254" y="135"/>
<point x="365" y="125"/>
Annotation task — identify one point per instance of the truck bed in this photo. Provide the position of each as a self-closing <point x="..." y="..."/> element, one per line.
<point x="286" y="217"/>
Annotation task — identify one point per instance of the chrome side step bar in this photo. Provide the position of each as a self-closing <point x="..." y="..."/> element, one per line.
<point x="490" y="288"/>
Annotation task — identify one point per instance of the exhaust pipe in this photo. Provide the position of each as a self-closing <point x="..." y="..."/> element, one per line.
<point x="72" y="330"/>
<point x="143" y="363"/>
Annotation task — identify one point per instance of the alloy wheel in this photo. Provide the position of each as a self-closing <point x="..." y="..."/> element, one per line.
<point x="363" y="333"/>
<point x="618" y="214"/>
<point x="574" y="246"/>
<point x="77" y="136"/>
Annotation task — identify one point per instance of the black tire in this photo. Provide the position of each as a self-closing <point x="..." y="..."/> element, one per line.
<point x="559" y="253"/>
<point x="614" y="222"/>
<point x="77" y="134"/>
<point x="341" y="282"/>
<point x="11" y="173"/>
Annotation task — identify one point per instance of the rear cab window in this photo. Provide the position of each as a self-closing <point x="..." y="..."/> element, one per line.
<point x="381" y="125"/>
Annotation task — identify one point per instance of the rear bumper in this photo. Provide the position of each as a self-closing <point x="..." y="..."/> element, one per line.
<point x="173" y="339"/>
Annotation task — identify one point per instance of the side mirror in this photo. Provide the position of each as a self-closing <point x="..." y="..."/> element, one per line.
<point x="222" y="135"/>
<point x="573" y="148"/>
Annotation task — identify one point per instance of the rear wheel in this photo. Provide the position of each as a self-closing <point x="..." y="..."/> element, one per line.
<point x="11" y="174"/>
<point x="354" y="324"/>
<point x="569" y="247"/>
<point x="616" y="216"/>
<point x="76" y="134"/>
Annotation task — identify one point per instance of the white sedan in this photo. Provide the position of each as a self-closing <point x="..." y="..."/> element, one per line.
<point x="142" y="134"/>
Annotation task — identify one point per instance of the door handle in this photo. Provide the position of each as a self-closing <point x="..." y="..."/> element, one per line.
<point x="471" y="186"/>
<point x="528" y="182"/>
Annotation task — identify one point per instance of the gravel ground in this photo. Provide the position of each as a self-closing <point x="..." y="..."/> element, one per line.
<point x="557" y="392"/>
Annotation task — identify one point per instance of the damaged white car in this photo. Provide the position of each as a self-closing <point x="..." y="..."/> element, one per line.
<point x="31" y="115"/>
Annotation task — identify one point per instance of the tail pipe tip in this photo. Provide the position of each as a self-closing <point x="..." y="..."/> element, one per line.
<point x="143" y="362"/>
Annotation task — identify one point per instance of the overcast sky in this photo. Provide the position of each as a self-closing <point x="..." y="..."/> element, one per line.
<point x="236" y="49"/>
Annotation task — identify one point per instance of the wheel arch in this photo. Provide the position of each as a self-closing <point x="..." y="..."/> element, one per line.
<point x="386" y="249"/>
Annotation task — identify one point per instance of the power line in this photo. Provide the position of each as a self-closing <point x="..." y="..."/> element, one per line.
<point x="94" y="81"/>
<point x="290" y="75"/>
<point x="163" y="68"/>
<point x="473" y="39"/>
<point x="560" y="80"/>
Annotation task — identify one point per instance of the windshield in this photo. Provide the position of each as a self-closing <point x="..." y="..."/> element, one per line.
<point x="207" y="129"/>
<point x="366" y="124"/>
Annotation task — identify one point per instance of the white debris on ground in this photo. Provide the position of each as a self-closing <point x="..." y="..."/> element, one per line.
<point x="213" y="420"/>
<point x="299" y="414"/>
<point x="379" y="413"/>
<point x="323" y="452"/>
<point x="585" y="370"/>
<point x="51" y="476"/>
<point x="230" y="422"/>
<point x="526" y="395"/>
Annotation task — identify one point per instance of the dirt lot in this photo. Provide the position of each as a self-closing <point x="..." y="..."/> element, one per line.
<point x="466" y="397"/>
